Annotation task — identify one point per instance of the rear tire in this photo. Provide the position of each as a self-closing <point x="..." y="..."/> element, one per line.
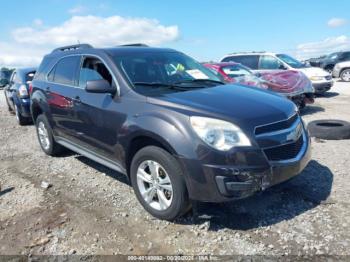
<point x="165" y="168"/>
<point x="345" y="75"/>
<point x="45" y="137"/>
<point x="21" y="120"/>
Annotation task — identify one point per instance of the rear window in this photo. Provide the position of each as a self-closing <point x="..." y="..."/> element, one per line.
<point x="65" y="71"/>
<point x="30" y="76"/>
<point x="250" y="61"/>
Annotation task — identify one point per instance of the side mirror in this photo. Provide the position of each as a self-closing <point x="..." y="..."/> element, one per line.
<point x="99" y="86"/>
<point x="257" y="74"/>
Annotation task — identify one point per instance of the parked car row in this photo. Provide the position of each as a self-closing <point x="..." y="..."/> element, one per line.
<point x="336" y="64"/>
<point x="289" y="83"/>
<point x="263" y="61"/>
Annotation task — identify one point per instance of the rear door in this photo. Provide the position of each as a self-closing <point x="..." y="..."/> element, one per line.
<point x="61" y="92"/>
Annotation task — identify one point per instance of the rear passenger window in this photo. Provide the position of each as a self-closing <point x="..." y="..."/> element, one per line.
<point x="65" y="71"/>
<point x="250" y="61"/>
<point x="93" y="69"/>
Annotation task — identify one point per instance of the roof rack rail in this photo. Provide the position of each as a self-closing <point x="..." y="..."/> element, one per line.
<point x="136" y="44"/>
<point x="71" y="47"/>
<point x="248" y="52"/>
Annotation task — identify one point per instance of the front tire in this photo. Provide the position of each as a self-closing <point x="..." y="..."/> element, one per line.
<point x="45" y="137"/>
<point x="345" y="75"/>
<point x="158" y="182"/>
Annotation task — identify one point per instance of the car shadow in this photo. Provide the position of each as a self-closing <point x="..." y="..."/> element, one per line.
<point x="278" y="203"/>
<point x="311" y="109"/>
<point x="5" y="191"/>
<point x="328" y="94"/>
<point x="103" y="169"/>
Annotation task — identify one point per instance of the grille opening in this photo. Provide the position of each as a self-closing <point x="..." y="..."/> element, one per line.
<point x="284" y="152"/>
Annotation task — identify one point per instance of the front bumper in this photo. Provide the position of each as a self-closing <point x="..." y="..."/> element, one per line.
<point x="336" y="72"/>
<point x="322" y="87"/>
<point x="252" y="173"/>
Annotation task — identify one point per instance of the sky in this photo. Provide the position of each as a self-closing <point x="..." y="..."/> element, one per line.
<point x="203" y="29"/>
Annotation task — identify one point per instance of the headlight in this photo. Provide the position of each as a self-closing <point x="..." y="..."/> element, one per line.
<point x="316" y="78"/>
<point x="219" y="134"/>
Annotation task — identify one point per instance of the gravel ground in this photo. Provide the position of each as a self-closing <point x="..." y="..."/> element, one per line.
<point x="90" y="209"/>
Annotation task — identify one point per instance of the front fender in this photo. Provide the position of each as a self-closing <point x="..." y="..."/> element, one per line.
<point x="169" y="130"/>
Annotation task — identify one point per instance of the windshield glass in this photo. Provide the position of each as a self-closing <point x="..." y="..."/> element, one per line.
<point x="236" y="71"/>
<point x="151" y="70"/>
<point x="291" y="61"/>
<point x="333" y="56"/>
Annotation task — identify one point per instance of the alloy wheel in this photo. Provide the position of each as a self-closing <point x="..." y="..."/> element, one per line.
<point x="43" y="136"/>
<point x="346" y="76"/>
<point x="154" y="185"/>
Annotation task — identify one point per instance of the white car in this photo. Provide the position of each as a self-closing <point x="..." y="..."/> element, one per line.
<point x="342" y="70"/>
<point x="262" y="61"/>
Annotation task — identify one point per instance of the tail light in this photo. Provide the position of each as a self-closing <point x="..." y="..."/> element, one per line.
<point x="30" y="88"/>
<point x="23" y="92"/>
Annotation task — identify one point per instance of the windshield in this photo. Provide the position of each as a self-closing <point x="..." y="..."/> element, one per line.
<point x="333" y="56"/>
<point x="236" y="71"/>
<point x="150" y="70"/>
<point x="291" y="61"/>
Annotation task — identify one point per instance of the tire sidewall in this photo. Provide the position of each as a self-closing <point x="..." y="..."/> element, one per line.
<point x="172" y="167"/>
<point x="43" y="119"/>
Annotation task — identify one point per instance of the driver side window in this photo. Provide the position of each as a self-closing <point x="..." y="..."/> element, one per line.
<point x="268" y="62"/>
<point x="93" y="69"/>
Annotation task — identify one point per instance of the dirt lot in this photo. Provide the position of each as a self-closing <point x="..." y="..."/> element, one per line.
<point x="90" y="209"/>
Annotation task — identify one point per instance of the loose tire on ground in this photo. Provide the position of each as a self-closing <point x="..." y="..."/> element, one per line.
<point x="180" y="203"/>
<point x="329" y="129"/>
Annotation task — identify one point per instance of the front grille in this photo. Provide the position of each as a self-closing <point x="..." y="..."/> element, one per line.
<point x="284" y="152"/>
<point x="276" y="126"/>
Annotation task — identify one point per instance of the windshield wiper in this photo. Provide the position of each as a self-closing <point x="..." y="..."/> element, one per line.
<point x="175" y="86"/>
<point x="200" y="81"/>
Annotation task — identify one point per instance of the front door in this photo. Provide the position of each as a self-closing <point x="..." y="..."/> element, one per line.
<point x="98" y="114"/>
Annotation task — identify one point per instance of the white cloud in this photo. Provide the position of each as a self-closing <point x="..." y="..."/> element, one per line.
<point x="77" y="10"/>
<point x="31" y="43"/>
<point x="15" y="55"/>
<point x="99" y="31"/>
<point x="336" y="22"/>
<point x="326" y="46"/>
<point x="38" y="22"/>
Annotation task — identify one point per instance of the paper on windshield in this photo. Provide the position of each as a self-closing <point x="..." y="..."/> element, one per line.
<point x="197" y="74"/>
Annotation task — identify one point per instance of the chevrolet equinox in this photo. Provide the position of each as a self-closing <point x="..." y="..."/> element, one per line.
<point x="167" y="123"/>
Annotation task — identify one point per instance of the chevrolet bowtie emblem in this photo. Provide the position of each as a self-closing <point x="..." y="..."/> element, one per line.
<point x="295" y="134"/>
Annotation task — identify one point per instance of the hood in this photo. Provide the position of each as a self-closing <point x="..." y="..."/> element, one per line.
<point x="245" y="106"/>
<point x="287" y="82"/>
<point x="314" y="71"/>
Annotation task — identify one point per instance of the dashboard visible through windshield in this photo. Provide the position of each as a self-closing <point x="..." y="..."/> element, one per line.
<point x="152" y="73"/>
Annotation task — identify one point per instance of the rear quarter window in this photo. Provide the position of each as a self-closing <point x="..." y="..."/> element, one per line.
<point x="65" y="71"/>
<point x="250" y="61"/>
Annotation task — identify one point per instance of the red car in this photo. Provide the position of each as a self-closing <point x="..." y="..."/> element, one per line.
<point x="289" y="83"/>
